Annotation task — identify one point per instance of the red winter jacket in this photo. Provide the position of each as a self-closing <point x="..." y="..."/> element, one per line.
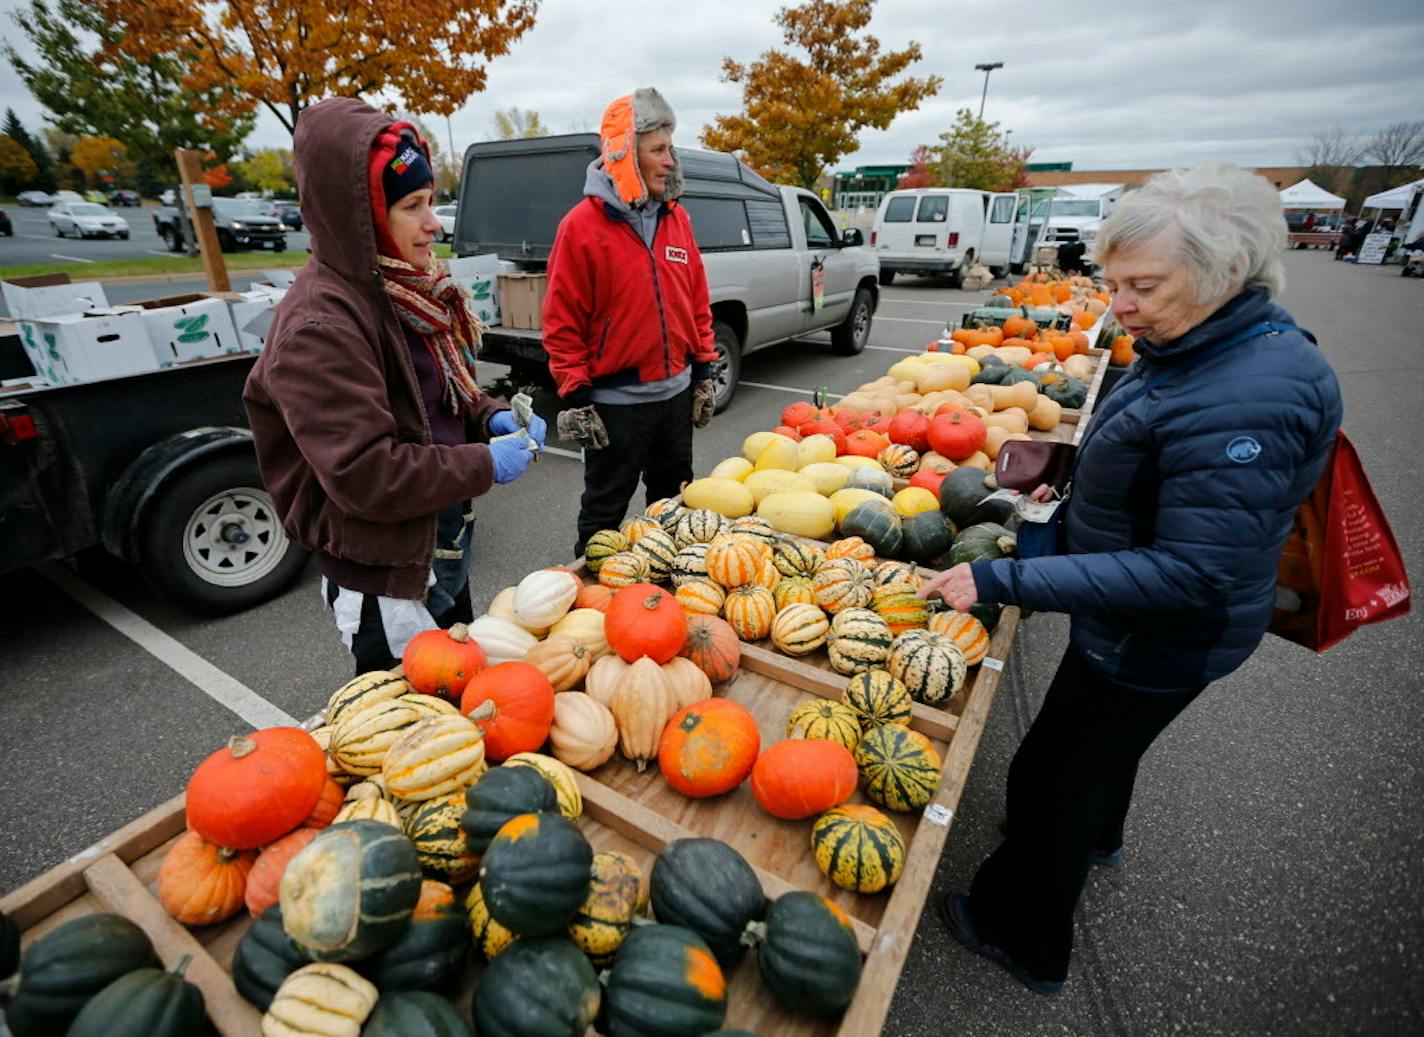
<point x="618" y="313"/>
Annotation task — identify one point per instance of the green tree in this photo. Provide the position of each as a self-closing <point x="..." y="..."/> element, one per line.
<point x="514" y="123"/>
<point x="801" y="112"/>
<point x="975" y="154"/>
<point x="15" y="130"/>
<point x="269" y="169"/>
<point x="17" y="168"/>
<point x="90" y="86"/>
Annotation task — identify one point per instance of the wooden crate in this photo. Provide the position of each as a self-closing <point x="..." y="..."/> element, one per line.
<point x="1073" y="423"/>
<point x="624" y="810"/>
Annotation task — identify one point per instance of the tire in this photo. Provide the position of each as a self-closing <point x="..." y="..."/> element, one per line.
<point x="956" y="276"/>
<point x="1017" y="268"/>
<point x="212" y="540"/>
<point x="887" y="278"/>
<point x="124" y="236"/>
<point x="280" y="245"/>
<point x="727" y="368"/>
<point x="998" y="271"/>
<point x="58" y="230"/>
<point x="850" y="336"/>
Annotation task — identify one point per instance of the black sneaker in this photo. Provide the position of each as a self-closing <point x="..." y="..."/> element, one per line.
<point x="954" y="909"/>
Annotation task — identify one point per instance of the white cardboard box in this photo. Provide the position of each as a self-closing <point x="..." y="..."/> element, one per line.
<point x="480" y="275"/>
<point x="251" y="315"/>
<point x="189" y="327"/>
<point x="79" y="347"/>
<point x="52" y="300"/>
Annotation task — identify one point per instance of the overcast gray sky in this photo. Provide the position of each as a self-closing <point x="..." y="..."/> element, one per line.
<point x="1122" y="85"/>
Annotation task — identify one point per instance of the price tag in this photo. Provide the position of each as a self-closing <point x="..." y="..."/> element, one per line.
<point x="990" y="663"/>
<point x="938" y="815"/>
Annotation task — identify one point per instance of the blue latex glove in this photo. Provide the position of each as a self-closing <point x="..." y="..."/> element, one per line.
<point x="502" y="423"/>
<point x="511" y="457"/>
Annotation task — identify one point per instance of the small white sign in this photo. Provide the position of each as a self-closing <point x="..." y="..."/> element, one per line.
<point x="938" y="815"/>
<point x="990" y="663"/>
<point x="1372" y="251"/>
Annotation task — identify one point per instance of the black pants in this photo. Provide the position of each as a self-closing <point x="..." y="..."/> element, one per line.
<point x="648" y="441"/>
<point x="1069" y="789"/>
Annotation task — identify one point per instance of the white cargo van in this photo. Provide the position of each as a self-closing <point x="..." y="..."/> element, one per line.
<point x="943" y="230"/>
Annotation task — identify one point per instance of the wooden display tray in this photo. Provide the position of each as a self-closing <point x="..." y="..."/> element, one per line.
<point x="623" y="809"/>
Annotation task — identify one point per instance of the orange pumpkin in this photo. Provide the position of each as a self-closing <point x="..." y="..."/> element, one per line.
<point x="1079" y="340"/>
<point x="593" y="596"/>
<point x="1122" y="353"/>
<point x="1022" y="343"/>
<point x="1037" y="360"/>
<point x="1019" y="327"/>
<point x="801" y="777"/>
<point x="645" y="620"/>
<point x="513" y="704"/>
<point x="1083" y="320"/>
<point x="714" y="646"/>
<point x="866" y="443"/>
<point x="265" y="878"/>
<point x="199" y="883"/>
<point x="441" y="662"/>
<point x="1061" y="344"/>
<point x="708" y="748"/>
<point x="327" y="807"/>
<point x="257" y="788"/>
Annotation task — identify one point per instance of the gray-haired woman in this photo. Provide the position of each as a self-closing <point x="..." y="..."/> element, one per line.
<point x="1185" y="488"/>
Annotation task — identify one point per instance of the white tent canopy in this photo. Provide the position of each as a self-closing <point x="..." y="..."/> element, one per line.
<point x="1307" y="195"/>
<point x="1394" y="198"/>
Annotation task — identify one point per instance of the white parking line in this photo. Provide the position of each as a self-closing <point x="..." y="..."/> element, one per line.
<point x="226" y="691"/>
<point x="155" y="252"/>
<point x="72" y="259"/>
<point x="778" y="388"/>
<point x="901" y="300"/>
<point x="911" y="320"/>
<point x="893" y="349"/>
<point x="558" y="451"/>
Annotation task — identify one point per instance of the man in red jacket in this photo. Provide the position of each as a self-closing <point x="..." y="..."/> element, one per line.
<point x="627" y="323"/>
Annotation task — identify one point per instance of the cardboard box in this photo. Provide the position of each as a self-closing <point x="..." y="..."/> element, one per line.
<point x="87" y="347"/>
<point x="252" y="316"/>
<point x="51" y="295"/>
<point x="480" y="275"/>
<point x="521" y="300"/>
<point x="189" y="327"/>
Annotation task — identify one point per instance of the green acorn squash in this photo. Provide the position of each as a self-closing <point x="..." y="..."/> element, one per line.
<point x="431" y="953"/>
<point x="665" y="982"/>
<point x="961" y="497"/>
<point x="145" y="1003"/>
<point x="415" y="1013"/>
<point x="66" y="967"/>
<point x="1068" y="392"/>
<point x="877" y="525"/>
<point x="536" y="873"/>
<point x="927" y="538"/>
<point x="988" y="613"/>
<point x="500" y="794"/>
<point x="542" y="987"/>
<point x="1014" y="375"/>
<point x="991" y="371"/>
<point x="708" y="887"/>
<point x="9" y="946"/>
<point x="876" y="480"/>
<point x="808" y="957"/>
<point x="265" y="957"/>
<point x="982" y="542"/>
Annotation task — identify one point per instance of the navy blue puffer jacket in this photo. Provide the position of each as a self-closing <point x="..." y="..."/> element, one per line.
<point x="1182" y="500"/>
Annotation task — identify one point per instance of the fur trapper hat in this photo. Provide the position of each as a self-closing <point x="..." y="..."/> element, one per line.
<point x="642" y="111"/>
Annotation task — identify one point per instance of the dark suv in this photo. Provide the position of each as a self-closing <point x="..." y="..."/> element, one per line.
<point x="289" y="213"/>
<point x="125" y="197"/>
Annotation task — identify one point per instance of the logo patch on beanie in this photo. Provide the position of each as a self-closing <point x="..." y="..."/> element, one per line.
<point x="402" y="161"/>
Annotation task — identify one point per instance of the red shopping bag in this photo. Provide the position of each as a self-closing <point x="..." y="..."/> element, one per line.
<point x="1340" y="568"/>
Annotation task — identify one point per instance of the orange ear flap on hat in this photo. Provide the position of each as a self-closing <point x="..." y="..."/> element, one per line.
<point x="619" y="140"/>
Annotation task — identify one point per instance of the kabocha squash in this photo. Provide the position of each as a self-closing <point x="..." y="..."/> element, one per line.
<point x="713" y="646"/>
<point x="793" y="590"/>
<point x="147" y="1001"/>
<point x="900" y="607"/>
<point x="561" y="659"/>
<point x="415" y="1013"/>
<point x="799" y="777"/>
<point x="809" y="958"/>
<point x="961" y="494"/>
<point x="822" y="718"/>
<point x="708" y="887"/>
<point x="365" y="690"/>
<point x="750" y="610"/>
<point x="583" y="734"/>
<point x="264" y="958"/>
<point x="1069" y="393"/>
<point x="967" y="633"/>
<point x="873" y="478"/>
<point x="799" y="629"/>
<point x="431" y="953"/>
<point x="623" y="570"/>
<point x="660" y="550"/>
<point x="644" y="620"/>
<point x="701" y="596"/>
<point x="899" y="766"/>
<point x="434" y="757"/>
<point x="858" y="848"/>
<point x="436" y="832"/>
<point x="927" y="538"/>
<point x="535" y="874"/>
<point x="689" y="565"/>
<point x="615" y="893"/>
<point x="797" y="558"/>
<point x="688" y="683"/>
<point x="929" y="664"/>
<point x="441" y="662"/>
<point x="513" y="705"/>
<point x="350" y="891"/>
<point x="842" y="583"/>
<point x="490" y="938"/>
<point x="263" y="881"/>
<point x="585" y="626"/>
<point x="733" y="561"/>
<point x="502" y="794"/>
<point x="257" y="788"/>
<point x="322" y="999"/>
<point x="601" y="546"/>
<point x="556" y="774"/>
<point x="602" y="679"/>
<point x="665" y="982"/>
<point x="708" y="748"/>
<point x="698" y="526"/>
<point x="537" y="988"/>
<point x="982" y="543"/>
<point x="877" y="698"/>
<point x="642" y="704"/>
<point x="68" y="965"/>
<point x="859" y="641"/>
<point x="200" y="883"/>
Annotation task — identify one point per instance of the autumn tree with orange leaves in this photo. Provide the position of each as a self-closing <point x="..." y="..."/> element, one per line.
<point x="285" y="55"/>
<point x="801" y="112"/>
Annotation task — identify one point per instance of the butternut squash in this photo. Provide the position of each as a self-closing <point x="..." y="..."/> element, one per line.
<point x="995" y="437"/>
<point x="1014" y="356"/>
<point x="978" y="395"/>
<point x="943" y="376"/>
<point x="1045" y="416"/>
<point x="1015" y="419"/>
<point x="1021" y="394"/>
<point x="979" y="460"/>
<point x="1080" y="367"/>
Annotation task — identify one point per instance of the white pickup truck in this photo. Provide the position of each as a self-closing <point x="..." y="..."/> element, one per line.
<point x="763" y="245"/>
<point x="1077" y="211"/>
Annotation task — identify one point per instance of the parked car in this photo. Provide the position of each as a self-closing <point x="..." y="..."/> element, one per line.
<point x="67" y="196"/>
<point x="290" y="213"/>
<point x="86" y="220"/>
<point x="96" y="196"/>
<point x="446" y="215"/>
<point x="6" y="227"/>
<point x="125" y="197"/>
<point x="241" y="223"/>
<point x="35" y="198"/>
<point x="943" y="230"/>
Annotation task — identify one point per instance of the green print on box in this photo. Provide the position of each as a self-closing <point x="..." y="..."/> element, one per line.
<point x="44" y="355"/>
<point x="192" y="329"/>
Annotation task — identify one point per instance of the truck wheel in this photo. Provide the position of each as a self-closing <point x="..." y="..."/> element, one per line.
<point x="170" y="239"/>
<point x="850" y="336"/>
<point x="998" y="271"/>
<point x="226" y="242"/>
<point x="727" y="368"/>
<point x="213" y="542"/>
<point x="887" y="277"/>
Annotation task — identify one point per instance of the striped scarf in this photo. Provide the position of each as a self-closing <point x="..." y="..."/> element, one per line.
<point x="433" y="304"/>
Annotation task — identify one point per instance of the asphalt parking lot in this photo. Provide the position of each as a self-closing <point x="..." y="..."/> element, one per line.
<point x="1272" y="881"/>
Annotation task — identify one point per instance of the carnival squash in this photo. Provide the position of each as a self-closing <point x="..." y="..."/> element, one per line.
<point x="858" y="848"/>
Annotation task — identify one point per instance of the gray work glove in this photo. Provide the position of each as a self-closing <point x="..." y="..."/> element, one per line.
<point x="583" y="426"/>
<point x="704" y="401"/>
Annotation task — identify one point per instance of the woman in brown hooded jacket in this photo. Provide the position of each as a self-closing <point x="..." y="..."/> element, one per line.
<point x="371" y="433"/>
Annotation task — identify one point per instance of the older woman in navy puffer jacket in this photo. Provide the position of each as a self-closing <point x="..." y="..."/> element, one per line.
<point x="1186" y="485"/>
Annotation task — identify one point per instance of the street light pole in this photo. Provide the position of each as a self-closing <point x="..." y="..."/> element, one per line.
<point x="986" y="69"/>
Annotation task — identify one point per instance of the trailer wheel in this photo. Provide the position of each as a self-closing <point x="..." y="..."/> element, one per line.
<point x="212" y="539"/>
